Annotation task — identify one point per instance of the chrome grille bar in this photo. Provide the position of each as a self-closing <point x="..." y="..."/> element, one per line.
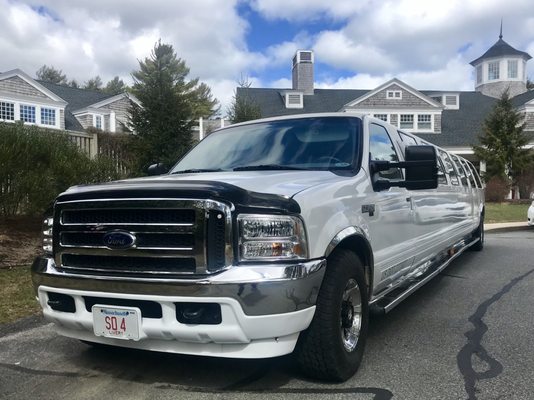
<point x="81" y="226"/>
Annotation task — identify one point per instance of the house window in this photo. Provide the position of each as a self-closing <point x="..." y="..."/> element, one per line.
<point x="406" y="121"/>
<point x="48" y="116"/>
<point x="493" y="70"/>
<point x="394" y="94"/>
<point x="27" y="113"/>
<point x="98" y="122"/>
<point x="7" y="111"/>
<point x="512" y="69"/>
<point x="479" y="73"/>
<point x="424" y="122"/>
<point x="383" y="117"/>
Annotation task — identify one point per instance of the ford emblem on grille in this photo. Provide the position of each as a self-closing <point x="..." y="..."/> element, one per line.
<point x="118" y="240"/>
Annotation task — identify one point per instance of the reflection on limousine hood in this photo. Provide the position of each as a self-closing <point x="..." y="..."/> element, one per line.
<point x="283" y="183"/>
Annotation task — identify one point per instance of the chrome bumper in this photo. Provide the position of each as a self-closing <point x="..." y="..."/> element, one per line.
<point x="259" y="289"/>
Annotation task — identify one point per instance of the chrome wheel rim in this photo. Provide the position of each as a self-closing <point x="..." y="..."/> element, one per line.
<point x="351" y="315"/>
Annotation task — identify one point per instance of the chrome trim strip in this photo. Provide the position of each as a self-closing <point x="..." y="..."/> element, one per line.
<point x="67" y="246"/>
<point x="461" y="246"/>
<point x="345" y="233"/>
<point x="126" y="253"/>
<point x="231" y="274"/>
<point x="133" y="272"/>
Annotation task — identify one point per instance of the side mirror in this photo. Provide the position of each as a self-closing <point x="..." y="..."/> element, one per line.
<point x="420" y="166"/>
<point x="422" y="171"/>
<point x="157" y="169"/>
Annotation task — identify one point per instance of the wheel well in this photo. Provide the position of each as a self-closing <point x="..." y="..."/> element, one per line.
<point x="362" y="249"/>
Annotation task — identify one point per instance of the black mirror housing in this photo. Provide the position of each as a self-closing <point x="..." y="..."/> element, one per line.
<point x="421" y="165"/>
<point x="421" y="171"/>
<point x="157" y="169"/>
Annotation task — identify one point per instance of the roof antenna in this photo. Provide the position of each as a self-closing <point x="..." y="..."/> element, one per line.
<point x="500" y="35"/>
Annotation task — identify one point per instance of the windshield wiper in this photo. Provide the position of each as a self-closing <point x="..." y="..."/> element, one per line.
<point x="197" y="170"/>
<point x="266" y="167"/>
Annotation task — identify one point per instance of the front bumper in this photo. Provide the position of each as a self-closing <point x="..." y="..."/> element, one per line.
<point x="263" y="307"/>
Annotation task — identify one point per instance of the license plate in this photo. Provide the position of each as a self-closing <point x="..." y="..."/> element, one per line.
<point x="116" y="322"/>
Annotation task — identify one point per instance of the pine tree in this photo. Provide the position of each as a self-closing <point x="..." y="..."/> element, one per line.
<point x="52" y="75"/>
<point x="243" y="108"/>
<point x="171" y="104"/>
<point x="115" y="86"/>
<point x="503" y="142"/>
<point x="94" y="84"/>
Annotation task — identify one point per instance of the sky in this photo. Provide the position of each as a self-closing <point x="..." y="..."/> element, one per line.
<point x="358" y="44"/>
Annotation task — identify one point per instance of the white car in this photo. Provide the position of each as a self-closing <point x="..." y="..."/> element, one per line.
<point x="270" y="237"/>
<point x="530" y="214"/>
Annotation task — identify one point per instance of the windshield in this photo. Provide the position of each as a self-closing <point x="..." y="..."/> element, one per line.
<point x="322" y="143"/>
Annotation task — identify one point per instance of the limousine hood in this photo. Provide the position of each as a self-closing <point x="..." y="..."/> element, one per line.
<point x="221" y="185"/>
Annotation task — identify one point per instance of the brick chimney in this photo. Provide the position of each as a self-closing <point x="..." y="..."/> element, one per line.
<point x="303" y="71"/>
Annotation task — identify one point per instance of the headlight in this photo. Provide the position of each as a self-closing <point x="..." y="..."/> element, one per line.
<point x="48" y="224"/>
<point x="271" y="237"/>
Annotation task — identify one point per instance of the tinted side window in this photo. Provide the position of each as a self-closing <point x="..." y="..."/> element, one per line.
<point x="381" y="149"/>
<point x="475" y="174"/>
<point x="408" y="140"/>
<point x="449" y="168"/>
<point x="460" y="169"/>
<point x="469" y="174"/>
<point x="442" y="178"/>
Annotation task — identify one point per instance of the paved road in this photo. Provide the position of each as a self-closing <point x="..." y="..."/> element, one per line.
<point x="468" y="334"/>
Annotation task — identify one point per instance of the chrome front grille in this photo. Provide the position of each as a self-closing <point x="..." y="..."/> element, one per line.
<point x="173" y="237"/>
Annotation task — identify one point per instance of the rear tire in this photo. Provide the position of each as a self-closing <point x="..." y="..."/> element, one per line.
<point x="332" y="347"/>
<point x="479" y="233"/>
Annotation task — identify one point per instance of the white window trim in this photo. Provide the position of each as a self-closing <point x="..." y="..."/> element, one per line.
<point x="38" y="107"/>
<point x="390" y="94"/>
<point x="415" y="128"/>
<point x="14" y="111"/>
<point x="374" y="115"/>
<point x="488" y="69"/>
<point x="101" y="120"/>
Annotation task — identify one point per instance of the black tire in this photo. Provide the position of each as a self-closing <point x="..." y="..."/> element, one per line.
<point x="479" y="234"/>
<point x="322" y="351"/>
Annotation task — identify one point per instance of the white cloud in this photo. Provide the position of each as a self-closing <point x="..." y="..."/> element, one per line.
<point x="427" y="43"/>
<point x="337" y="50"/>
<point x="455" y="75"/>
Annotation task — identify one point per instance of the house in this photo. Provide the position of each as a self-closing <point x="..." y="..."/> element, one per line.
<point x="450" y="119"/>
<point x="53" y="106"/>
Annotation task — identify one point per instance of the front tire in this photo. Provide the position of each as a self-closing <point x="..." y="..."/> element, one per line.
<point x="332" y="347"/>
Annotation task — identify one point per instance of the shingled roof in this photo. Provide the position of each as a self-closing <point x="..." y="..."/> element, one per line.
<point x="459" y="128"/>
<point x="499" y="49"/>
<point x="76" y="99"/>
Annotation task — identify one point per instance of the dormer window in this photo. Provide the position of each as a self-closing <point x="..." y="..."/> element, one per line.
<point x="97" y="121"/>
<point x="394" y="94"/>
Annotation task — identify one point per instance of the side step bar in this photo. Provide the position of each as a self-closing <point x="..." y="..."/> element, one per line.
<point x="429" y="270"/>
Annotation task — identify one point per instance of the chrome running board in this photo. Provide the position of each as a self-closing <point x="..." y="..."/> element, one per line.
<point x="428" y="270"/>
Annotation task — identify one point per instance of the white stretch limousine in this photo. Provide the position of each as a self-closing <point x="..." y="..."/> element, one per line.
<point x="269" y="237"/>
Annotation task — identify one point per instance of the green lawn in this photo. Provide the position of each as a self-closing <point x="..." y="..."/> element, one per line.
<point x="16" y="293"/>
<point x="506" y="212"/>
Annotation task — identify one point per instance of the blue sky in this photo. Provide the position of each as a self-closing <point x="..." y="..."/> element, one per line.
<point x="358" y="44"/>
